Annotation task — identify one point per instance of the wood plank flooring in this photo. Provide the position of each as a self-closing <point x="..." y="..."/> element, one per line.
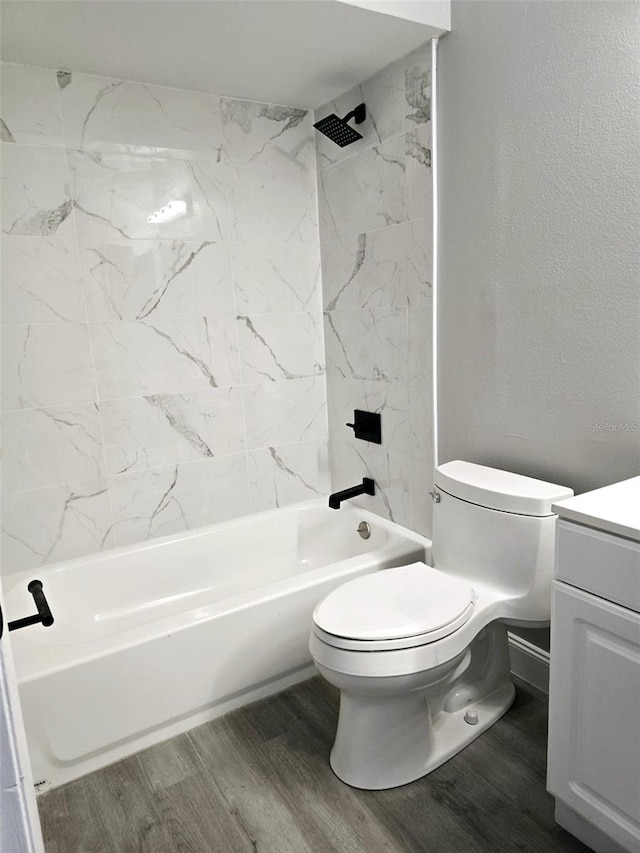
<point x="258" y="781"/>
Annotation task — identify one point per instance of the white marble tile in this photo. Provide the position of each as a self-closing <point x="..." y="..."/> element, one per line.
<point x="164" y="429"/>
<point x="279" y="476"/>
<point x="421" y="417"/>
<point x="420" y="379"/>
<point x="268" y="205"/>
<point x="419" y="184"/>
<point x="418" y="86"/>
<point x="168" y="500"/>
<point x="276" y="277"/>
<point x="30" y="107"/>
<point x="137" y="358"/>
<point x="364" y="193"/>
<point x="35" y="191"/>
<point x="46" y="365"/>
<point x="266" y="135"/>
<point x="384" y="98"/>
<point x="100" y="113"/>
<point x="41" y="280"/>
<point x="280" y="346"/>
<point x="57" y="523"/>
<point x="367" y="270"/>
<point x="420" y="262"/>
<point x="390" y="399"/>
<point x="115" y="194"/>
<point x="367" y="345"/>
<point x="139" y="279"/>
<point x="391" y="473"/>
<point x="46" y="447"/>
<point x="285" y="412"/>
<point x="421" y="483"/>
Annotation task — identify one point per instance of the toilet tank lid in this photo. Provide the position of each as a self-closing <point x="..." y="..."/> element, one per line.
<point x="501" y="490"/>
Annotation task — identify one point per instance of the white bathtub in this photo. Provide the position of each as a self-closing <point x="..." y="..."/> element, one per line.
<point x="152" y="640"/>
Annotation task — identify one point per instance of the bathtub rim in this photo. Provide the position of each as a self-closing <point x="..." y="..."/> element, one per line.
<point x="37" y="659"/>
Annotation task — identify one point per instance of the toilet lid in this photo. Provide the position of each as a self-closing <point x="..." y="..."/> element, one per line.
<point x="394" y="603"/>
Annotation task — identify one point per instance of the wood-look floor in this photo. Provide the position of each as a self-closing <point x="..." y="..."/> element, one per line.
<point x="258" y="781"/>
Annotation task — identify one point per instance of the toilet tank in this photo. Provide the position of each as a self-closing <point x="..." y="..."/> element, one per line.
<point x="498" y="528"/>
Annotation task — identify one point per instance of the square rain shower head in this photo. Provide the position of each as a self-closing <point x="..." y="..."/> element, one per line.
<point x="337" y="130"/>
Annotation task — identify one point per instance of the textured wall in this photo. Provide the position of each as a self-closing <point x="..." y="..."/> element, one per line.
<point x="375" y="235"/>
<point x="156" y="376"/>
<point x="539" y="357"/>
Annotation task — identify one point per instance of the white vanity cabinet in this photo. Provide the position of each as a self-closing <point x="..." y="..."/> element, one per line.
<point x="594" y="691"/>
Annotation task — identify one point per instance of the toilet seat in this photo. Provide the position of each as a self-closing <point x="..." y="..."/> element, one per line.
<point x="397" y="608"/>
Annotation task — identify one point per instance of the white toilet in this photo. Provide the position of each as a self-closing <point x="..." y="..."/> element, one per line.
<point x="420" y="654"/>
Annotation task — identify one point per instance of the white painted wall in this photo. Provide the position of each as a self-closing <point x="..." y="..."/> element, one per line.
<point x="539" y="295"/>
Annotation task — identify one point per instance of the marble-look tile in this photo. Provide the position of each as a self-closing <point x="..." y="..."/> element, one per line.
<point x="35" y="192"/>
<point x="266" y="135"/>
<point x="30" y="111"/>
<point x="135" y="280"/>
<point x="137" y="358"/>
<point x="182" y="497"/>
<point x="420" y="262"/>
<point x="419" y="183"/>
<point x="41" y="280"/>
<point x="115" y="195"/>
<point x="421" y="484"/>
<point x="268" y="205"/>
<point x="164" y="429"/>
<point x="384" y="97"/>
<point x="276" y="277"/>
<point x="367" y="345"/>
<point x="285" y="412"/>
<point x="46" y="447"/>
<point x="420" y="380"/>
<point x="100" y="113"/>
<point x="391" y="399"/>
<point x="279" y="476"/>
<point x="46" y="364"/>
<point x="280" y="346"/>
<point x="418" y="86"/>
<point x="57" y="523"/>
<point x="367" y="270"/>
<point x="390" y="471"/>
<point x="364" y="193"/>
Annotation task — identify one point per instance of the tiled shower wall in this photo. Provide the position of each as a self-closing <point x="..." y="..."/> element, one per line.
<point x="375" y="200"/>
<point x="160" y="370"/>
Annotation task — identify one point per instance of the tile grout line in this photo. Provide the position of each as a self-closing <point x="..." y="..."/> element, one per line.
<point x="112" y="528"/>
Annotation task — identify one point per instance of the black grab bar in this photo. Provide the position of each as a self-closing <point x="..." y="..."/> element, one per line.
<point x="43" y="615"/>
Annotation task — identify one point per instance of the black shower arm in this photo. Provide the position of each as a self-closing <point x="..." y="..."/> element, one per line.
<point x="359" y="113"/>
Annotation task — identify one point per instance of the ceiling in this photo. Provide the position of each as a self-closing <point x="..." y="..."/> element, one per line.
<point x="300" y="53"/>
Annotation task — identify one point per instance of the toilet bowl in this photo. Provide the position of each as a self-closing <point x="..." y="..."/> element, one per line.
<point x="420" y="653"/>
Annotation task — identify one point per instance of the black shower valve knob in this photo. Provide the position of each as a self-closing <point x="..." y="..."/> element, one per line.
<point x="366" y="426"/>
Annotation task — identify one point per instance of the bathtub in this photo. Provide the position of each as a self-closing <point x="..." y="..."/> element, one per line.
<point x="151" y="640"/>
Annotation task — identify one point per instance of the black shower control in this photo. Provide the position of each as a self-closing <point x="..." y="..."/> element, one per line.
<point x="366" y="425"/>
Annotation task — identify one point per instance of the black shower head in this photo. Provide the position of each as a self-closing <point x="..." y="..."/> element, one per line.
<point x="337" y="129"/>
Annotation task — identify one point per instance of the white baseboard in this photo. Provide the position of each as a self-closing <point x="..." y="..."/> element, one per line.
<point x="528" y="662"/>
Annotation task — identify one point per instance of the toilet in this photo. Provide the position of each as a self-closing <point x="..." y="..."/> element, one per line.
<point x="420" y="653"/>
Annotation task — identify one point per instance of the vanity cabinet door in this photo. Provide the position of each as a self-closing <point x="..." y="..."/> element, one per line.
<point x="594" y="712"/>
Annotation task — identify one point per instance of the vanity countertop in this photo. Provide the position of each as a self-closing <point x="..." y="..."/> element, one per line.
<point x="614" y="509"/>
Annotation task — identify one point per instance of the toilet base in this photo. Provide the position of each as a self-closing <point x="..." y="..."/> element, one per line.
<point x="413" y="744"/>
<point x="389" y="736"/>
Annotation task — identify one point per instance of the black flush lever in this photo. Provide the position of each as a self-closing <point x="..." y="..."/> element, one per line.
<point x="43" y="615"/>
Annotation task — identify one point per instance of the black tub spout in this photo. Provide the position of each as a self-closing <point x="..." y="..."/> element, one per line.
<point x="368" y="487"/>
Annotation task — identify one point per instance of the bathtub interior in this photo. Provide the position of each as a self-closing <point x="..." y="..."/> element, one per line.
<point x="126" y="588"/>
<point x="150" y="662"/>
